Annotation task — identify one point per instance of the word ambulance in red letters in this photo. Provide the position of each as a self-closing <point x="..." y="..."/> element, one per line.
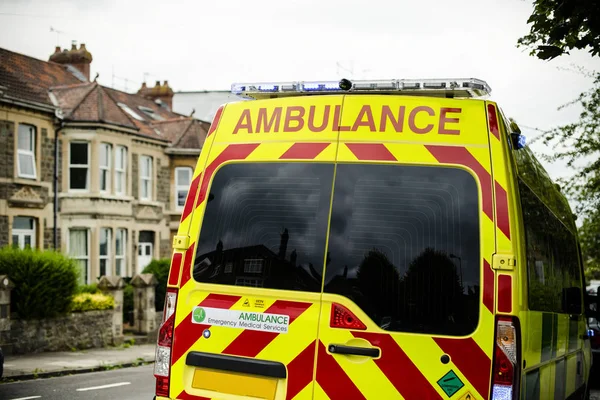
<point x="419" y="120"/>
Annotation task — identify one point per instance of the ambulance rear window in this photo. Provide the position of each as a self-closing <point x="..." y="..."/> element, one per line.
<point x="404" y="246"/>
<point x="265" y="226"/>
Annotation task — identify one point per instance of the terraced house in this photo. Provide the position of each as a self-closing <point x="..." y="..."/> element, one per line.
<point x="99" y="173"/>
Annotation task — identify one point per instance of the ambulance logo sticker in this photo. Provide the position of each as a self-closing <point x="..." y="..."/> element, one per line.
<point x="199" y="315"/>
<point x="450" y="383"/>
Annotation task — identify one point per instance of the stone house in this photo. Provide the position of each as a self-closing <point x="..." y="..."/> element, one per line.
<point x="123" y="162"/>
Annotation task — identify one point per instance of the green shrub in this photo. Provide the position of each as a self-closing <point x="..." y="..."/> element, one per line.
<point x="92" y="288"/>
<point x="160" y="270"/>
<point x="128" y="304"/>
<point x="45" y="281"/>
<point x="91" y="302"/>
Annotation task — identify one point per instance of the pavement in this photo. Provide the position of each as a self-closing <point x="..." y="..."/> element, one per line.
<point x="41" y="365"/>
<point x="136" y="383"/>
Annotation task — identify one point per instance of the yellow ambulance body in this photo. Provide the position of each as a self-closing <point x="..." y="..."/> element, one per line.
<point x="372" y="240"/>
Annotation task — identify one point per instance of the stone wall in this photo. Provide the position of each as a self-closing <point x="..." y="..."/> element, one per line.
<point x="135" y="177"/>
<point x="165" y="248"/>
<point x="49" y="238"/>
<point x="7" y="152"/>
<point x="3" y="230"/>
<point x="47" y="161"/>
<point x="74" y="331"/>
<point x="163" y="191"/>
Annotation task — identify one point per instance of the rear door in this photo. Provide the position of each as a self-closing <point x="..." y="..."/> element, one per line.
<point x="249" y="303"/>
<point x="408" y="291"/>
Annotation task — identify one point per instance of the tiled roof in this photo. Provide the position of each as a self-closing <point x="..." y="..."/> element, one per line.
<point x="29" y="79"/>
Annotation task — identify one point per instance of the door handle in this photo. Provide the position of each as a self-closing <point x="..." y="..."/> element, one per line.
<point x="353" y="350"/>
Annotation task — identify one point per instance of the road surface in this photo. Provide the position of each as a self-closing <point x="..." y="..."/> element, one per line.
<point x="136" y="383"/>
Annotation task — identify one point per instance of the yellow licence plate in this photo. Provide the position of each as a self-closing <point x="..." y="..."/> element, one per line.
<point x="234" y="383"/>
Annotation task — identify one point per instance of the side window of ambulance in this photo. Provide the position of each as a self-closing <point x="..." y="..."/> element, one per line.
<point x="552" y="261"/>
<point x="404" y="246"/>
<point x="265" y="226"/>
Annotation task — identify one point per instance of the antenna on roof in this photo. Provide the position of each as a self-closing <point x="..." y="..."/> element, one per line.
<point x="57" y="34"/>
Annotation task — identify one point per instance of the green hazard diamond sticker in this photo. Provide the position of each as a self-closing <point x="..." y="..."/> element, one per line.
<point x="199" y="315"/>
<point x="450" y="383"/>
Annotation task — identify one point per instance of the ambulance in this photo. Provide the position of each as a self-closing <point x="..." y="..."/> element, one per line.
<point x="391" y="239"/>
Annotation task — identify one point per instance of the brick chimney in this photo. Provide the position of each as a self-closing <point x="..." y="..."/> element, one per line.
<point x="163" y="92"/>
<point x="78" y="58"/>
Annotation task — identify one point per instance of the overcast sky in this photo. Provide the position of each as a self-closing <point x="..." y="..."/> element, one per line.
<point x="199" y="45"/>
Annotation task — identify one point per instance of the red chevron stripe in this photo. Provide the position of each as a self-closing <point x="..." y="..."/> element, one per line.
<point x="215" y="122"/>
<point x="460" y="155"/>
<point x="175" y="268"/>
<point x="250" y="343"/>
<point x="187" y="265"/>
<point x="186" y="396"/>
<point x="502" y="210"/>
<point x="190" y="198"/>
<point x="333" y="380"/>
<point x="399" y="368"/>
<point x="371" y="151"/>
<point x="493" y="120"/>
<point x="300" y="371"/>
<point x="304" y="151"/>
<point x="187" y="333"/>
<point x="231" y="152"/>
<point x="471" y="360"/>
<point x="488" y="286"/>
<point x="504" y="293"/>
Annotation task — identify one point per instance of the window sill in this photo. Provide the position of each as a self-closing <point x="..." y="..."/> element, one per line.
<point x="26" y="181"/>
<point x="149" y="203"/>
<point x="94" y="196"/>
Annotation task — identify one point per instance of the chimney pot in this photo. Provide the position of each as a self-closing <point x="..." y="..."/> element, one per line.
<point x="73" y="46"/>
<point x="57" y="49"/>
<point x="166" y="83"/>
<point x="82" y="46"/>
<point x="157" y="83"/>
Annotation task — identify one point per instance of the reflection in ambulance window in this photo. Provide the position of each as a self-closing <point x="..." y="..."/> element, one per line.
<point x="404" y="246"/>
<point x="266" y="223"/>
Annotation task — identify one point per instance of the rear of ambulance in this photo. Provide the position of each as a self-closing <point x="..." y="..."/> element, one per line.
<point x="346" y="241"/>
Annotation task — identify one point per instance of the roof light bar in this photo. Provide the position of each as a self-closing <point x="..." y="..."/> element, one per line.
<point x="469" y="88"/>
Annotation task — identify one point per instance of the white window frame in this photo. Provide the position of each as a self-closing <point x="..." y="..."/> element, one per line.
<point x="121" y="170"/>
<point x="21" y="233"/>
<point x="107" y="256"/>
<point x="148" y="178"/>
<point x="179" y="187"/>
<point x="81" y="166"/>
<point x="87" y="257"/>
<point x="30" y="153"/>
<point x="254" y="265"/>
<point x="105" y="169"/>
<point x="121" y="257"/>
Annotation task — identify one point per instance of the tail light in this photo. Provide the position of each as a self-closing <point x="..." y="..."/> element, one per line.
<point x="343" y="318"/>
<point x="505" y="377"/>
<point x="162" y="364"/>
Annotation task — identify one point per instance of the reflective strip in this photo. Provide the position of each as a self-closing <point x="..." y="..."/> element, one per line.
<point x="502" y="210"/>
<point x="399" y="368"/>
<point x="175" y="269"/>
<point x="371" y="151"/>
<point x="250" y="343"/>
<point x="559" y="379"/>
<point x="488" y="286"/>
<point x="187" y="265"/>
<point x="504" y="293"/>
<point x="187" y="333"/>
<point x="332" y="378"/>
<point x="186" y="396"/>
<point x="461" y="156"/>
<point x="471" y="360"/>
<point x="304" y="151"/>
<point x="190" y="198"/>
<point x="300" y="371"/>
<point x="231" y="152"/>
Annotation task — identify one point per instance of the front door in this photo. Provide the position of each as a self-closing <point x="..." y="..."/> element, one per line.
<point x="145" y="251"/>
